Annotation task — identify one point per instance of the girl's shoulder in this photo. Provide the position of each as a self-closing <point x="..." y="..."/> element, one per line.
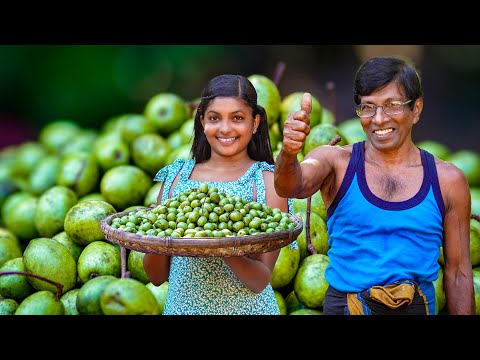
<point x="263" y="165"/>
<point x="172" y="169"/>
<point x="256" y="170"/>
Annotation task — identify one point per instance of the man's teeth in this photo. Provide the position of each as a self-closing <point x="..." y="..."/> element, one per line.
<point x="383" y="132"/>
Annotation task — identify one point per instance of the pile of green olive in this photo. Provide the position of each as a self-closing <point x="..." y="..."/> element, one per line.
<point x="204" y="212"/>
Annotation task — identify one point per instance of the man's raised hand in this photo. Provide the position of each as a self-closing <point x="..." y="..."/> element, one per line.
<point x="297" y="127"/>
<point x="307" y="104"/>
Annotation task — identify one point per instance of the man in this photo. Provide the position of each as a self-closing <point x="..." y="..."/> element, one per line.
<point x="391" y="206"/>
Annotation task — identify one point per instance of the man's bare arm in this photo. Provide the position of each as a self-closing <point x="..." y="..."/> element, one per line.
<point x="288" y="174"/>
<point x="458" y="279"/>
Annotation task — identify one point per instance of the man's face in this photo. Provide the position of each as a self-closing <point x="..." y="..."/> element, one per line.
<point x="390" y="124"/>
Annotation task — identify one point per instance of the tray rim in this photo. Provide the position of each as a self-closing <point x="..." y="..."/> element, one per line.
<point x="200" y="247"/>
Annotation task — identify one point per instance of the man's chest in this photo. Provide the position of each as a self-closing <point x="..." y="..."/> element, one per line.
<point x="394" y="184"/>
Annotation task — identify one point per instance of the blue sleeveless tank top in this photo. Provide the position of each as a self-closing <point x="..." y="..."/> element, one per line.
<point x="375" y="242"/>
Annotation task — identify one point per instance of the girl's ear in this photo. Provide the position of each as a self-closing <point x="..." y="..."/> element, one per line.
<point x="256" y="122"/>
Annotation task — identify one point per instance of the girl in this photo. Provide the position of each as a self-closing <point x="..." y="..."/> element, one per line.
<point x="231" y="150"/>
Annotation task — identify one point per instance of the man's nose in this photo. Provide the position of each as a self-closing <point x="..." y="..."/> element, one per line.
<point x="380" y="116"/>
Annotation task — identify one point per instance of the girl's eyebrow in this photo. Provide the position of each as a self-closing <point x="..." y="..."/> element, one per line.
<point x="233" y="112"/>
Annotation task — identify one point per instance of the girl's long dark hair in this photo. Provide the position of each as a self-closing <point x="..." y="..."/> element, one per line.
<point x="240" y="87"/>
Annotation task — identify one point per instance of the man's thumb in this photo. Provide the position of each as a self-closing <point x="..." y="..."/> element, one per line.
<point x="307" y="103"/>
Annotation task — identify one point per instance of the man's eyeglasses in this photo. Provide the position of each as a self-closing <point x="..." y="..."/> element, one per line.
<point x="390" y="108"/>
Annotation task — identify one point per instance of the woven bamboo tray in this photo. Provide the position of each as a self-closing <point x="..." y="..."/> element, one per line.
<point x="200" y="247"/>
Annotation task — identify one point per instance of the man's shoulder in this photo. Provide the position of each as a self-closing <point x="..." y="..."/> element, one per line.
<point x="449" y="174"/>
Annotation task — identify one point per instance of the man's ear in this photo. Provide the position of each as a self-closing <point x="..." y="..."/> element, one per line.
<point x="417" y="110"/>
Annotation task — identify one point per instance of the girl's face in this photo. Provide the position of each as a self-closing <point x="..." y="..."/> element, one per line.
<point x="229" y="125"/>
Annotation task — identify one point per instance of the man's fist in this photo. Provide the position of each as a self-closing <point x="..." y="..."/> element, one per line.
<point x="297" y="127"/>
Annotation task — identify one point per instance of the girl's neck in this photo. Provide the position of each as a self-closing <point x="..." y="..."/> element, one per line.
<point x="221" y="169"/>
<point x="229" y="163"/>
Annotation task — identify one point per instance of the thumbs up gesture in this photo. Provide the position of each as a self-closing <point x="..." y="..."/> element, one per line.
<point x="297" y="127"/>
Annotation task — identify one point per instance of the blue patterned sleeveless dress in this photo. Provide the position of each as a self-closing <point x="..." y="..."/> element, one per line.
<point x="207" y="286"/>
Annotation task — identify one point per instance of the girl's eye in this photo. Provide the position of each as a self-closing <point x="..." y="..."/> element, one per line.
<point x="213" y="118"/>
<point x="238" y="118"/>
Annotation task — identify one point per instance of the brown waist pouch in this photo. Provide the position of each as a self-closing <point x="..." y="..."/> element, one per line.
<point x="393" y="295"/>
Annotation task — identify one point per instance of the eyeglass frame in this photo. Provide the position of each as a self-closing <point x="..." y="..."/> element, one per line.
<point x="381" y="106"/>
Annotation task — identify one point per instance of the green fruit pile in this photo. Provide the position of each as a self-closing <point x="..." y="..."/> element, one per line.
<point x="45" y="181"/>
<point x="204" y="212"/>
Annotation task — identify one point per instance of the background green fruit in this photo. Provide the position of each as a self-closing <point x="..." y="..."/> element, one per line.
<point x="292" y="302"/>
<point x="69" y="301"/>
<point x="440" y="299"/>
<point x="111" y="151"/>
<point x="8" y="306"/>
<point x="186" y="131"/>
<point x="27" y="156"/>
<point x="124" y="186"/>
<point x="82" y="142"/>
<point x="160" y="293"/>
<point x="20" y="218"/>
<point x="166" y="112"/>
<point x="183" y="152"/>
<point x="7" y="188"/>
<point x="152" y="194"/>
<point x="441" y="259"/>
<point x="310" y="285"/>
<point x="9" y="246"/>
<point x="128" y="296"/>
<point x="52" y="207"/>
<point x="98" y="258"/>
<point x="327" y="116"/>
<point x="282" y="304"/>
<point x="88" y="298"/>
<point x="306" y="312"/>
<point x="135" y="266"/>
<point x="475" y="195"/>
<point x="149" y="152"/>
<point x="322" y="134"/>
<point x="12" y="200"/>
<point x="268" y="96"/>
<point x="286" y="267"/>
<point x="352" y="130"/>
<point x="435" y="148"/>
<point x="41" y="303"/>
<point x="92" y="196"/>
<point x="292" y="102"/>
<point x="175" y="139"/>
<point x="316" y="205"/>
<point x="79" y="171"/>
<point x="82" y="221"/>
<point x="74" y="248"/>
<point x="469" y="162"/>
<point x="44" y="174"/>
<point x="57" y="133"/>
<point x="50" y="259"/>
<point x="133" y="125"/>
<point x="318" y="236"/>
<point x="15" y="286"/>
<point x="476" y="287"/>
<point x="474" y="242"/>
